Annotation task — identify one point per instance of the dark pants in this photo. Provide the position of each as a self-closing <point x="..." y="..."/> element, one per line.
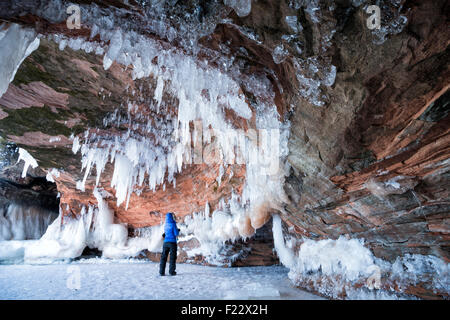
<point x="172" y="248"/>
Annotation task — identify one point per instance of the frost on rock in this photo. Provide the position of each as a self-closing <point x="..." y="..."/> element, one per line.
<point x="279" y="54"/>
<point x="94" y="228"/>
<point x="330" y="76"/>
<point x="212" y="231"/>
<point x="28" y="159"/>
<point x="293" y="23"/>
<point x="357" y="3"/>
<point x="312" y="6"/>
<point x="315" y="71"/>
<point x="76" y="145"/>
<point x="16" y="43"/>
<point x="241" y="7"/>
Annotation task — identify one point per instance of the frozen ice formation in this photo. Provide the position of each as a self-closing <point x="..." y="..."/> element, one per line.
<point x="20" y="222"/>
<point x="279" y="54"/>
<point x="345" y="261"/>
<point x="242" y="7"/>
<point x="16" y="43"/>
<point x="28" y="159"/>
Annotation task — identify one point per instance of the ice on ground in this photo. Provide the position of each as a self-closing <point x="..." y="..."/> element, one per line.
<point x="136" y="279"/>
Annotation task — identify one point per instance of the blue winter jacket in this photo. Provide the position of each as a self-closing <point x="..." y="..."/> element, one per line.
<point x="170" y="229"/>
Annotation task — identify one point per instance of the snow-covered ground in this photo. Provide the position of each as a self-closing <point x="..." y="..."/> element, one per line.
<point x="134" y="279"/>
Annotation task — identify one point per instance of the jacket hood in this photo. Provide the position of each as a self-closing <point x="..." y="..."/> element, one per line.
<point x="169" y="217"/>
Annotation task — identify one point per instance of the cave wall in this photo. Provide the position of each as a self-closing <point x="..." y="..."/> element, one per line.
<point x="371" y="163"/>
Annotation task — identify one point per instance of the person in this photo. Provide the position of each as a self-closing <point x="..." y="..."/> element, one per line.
<point x="170" y="245"/>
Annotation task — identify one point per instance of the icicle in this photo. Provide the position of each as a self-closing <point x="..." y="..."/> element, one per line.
<point x="28" y="159"/>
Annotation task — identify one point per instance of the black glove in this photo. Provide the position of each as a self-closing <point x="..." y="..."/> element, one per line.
<point x="178" y="229"/>
<point x="163" y="235"/>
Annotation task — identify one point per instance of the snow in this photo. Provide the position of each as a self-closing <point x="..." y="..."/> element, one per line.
<point x="135" y="279"/>
<point x="28" y="159"/>
<point x="16" y="43"/>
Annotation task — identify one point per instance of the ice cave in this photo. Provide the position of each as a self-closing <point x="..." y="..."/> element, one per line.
<point x="302" y="145"/>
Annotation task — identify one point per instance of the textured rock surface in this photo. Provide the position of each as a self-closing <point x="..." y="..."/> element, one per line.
<point x="369" y="150"/>
<point x="374" y="130"/>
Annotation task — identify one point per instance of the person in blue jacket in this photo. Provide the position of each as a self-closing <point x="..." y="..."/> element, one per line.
<point x="170" y="245"/>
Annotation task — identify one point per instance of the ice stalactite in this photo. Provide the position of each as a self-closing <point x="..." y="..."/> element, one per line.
<point x="16" y="43"/>
<point x="112" y="238"/>
<point x="213" y="230"/>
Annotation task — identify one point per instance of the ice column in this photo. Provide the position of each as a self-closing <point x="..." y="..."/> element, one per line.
<point x="16" y="43"/>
